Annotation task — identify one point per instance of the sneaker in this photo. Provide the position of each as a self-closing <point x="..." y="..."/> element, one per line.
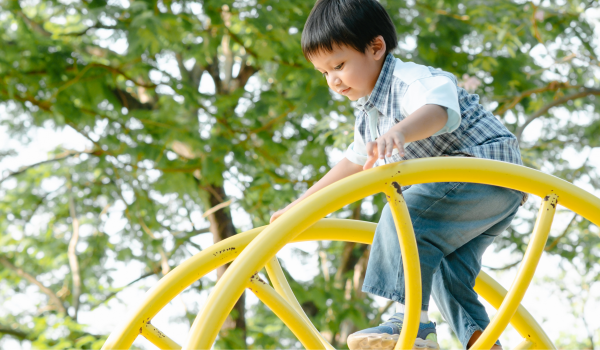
<point x="385" y="336"/>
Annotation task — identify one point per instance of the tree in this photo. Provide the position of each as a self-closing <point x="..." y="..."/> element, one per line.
<point x="176" y="98"/>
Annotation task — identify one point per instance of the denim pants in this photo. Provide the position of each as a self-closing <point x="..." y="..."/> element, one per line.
<point x="454" y="222"/>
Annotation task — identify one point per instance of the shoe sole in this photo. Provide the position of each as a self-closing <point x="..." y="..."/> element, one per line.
<point x="384" y="341"/>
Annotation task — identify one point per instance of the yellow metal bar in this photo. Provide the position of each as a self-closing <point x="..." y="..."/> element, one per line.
<point x="524" y="323"/>
<point x="363" y="184"/>
<point x="206" y="326"/>
<point x="325" y="229"/>
<point x="229" y="288"/>
<point x="491" y="172"/>
<point x="158" y="338"/>
<point x="174" y="283"/>
<point x="410" y="261"/>
<point x="524" y="276"/>
<point x="281" y="285"/>
<point x="214" y="256"/>
<point x="285" y="312"/>
<point x="525" y="345"/>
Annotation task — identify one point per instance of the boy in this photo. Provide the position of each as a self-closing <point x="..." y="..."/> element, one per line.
<point x="411" y="111"/>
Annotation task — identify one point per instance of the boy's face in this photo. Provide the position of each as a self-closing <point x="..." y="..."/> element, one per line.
<point x="349" y="72"/>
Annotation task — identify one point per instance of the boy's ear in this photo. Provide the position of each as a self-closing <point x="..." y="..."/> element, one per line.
<point x="378" y="47"/>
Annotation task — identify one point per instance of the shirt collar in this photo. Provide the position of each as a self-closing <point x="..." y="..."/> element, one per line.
<point x="379" y="95"/>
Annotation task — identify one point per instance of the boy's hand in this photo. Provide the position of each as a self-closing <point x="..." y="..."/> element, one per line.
<point x="383" y="146"/>
<point x="277" y="214"/>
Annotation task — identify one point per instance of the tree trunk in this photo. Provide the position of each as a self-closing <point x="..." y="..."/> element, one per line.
<point x="221" y="226"/>
<point x="348" y="259"/>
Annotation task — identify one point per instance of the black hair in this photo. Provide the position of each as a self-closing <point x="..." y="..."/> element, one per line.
<point x="355" y="23"/>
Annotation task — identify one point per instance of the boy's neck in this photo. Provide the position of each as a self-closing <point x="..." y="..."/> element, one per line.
<point x="380" y="68"/>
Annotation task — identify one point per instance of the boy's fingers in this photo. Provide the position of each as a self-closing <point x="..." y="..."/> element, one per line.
<point x="381" y="147"/>
<point x="371" y="158"/>
<point x="369" y="163"/>
<point x="371" y="148"/>
<point x="399" y="145"/>
<point x="389" y="147"/>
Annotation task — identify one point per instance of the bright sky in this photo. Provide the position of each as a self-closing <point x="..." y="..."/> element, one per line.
<point x="543" y="302"/>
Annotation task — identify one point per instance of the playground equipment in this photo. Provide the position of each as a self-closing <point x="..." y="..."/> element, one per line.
<point x="252" y="250"/>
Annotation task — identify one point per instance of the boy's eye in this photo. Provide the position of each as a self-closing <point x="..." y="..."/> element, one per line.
<point x="338" y="66"/>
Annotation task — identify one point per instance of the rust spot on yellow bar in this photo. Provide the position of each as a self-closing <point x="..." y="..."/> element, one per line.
<point x="398" y="187"/>
<point x="257" y="278"/>
<point x="224" y="251"/>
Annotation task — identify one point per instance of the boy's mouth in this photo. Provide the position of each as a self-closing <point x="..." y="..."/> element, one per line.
<point x="343" y="92"/>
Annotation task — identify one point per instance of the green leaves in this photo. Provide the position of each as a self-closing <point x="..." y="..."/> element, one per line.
<point x="136" y="82"/>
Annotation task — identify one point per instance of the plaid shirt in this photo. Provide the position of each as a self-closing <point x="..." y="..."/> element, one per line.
<point x="470" y="131"/>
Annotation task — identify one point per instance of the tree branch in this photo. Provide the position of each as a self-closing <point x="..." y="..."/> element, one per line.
<point x="83" y="32"/>
<point x="196" y="75"/>
<point x="381" y="311"/>
<point x="566" y="230"/>
<point x="585" y="92"/>
<point x="245" y="73"/>
<point x="60" y="157"/>
<point x="272" y="121"/>
<point x="185" y="74"/>
<point x="164" y="261"/>
<point x="228" y="63"/>
<point x="552" y="86"/>
<point x="239" y="41"/>
<point x="504" y="267"/>
<point x="112" y="294"/>
<point x="53" y="298"/>
<point x="14" y="332"/>
<point x="34" y="25"/>
<point x="131" y="102"/>
<point x="213" y="70"/>
<point x="72" y="254"/>
<point x="216" y="207"/>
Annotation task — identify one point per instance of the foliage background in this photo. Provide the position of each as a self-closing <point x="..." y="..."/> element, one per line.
<point x="186" y="122"/>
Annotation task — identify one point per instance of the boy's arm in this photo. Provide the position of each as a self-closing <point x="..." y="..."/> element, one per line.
<point x="341" y="170"/>
<point x="419" y="125"/>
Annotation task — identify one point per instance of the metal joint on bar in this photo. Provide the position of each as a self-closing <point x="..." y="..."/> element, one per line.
<point x="285" y="312"/>
<point x="281" y="286"/>
<point x="158" y="338"/>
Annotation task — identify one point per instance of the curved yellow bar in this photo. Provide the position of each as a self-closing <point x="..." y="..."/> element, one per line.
<point x="158" y="338"/>
<point x="214" y="256"/>
<point x="361" y="185"/>
<point x="524" y="323"/>
<point x="524" y="276"/>
<point x="525" y="345"/>
<point x="326" y="229"/>
<point x="286" y="313"/>
<point x="281" y="285"/>
<point x="410" y="263"/>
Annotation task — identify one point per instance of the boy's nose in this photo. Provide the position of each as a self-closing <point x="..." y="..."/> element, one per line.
<point x="336" y="81"/>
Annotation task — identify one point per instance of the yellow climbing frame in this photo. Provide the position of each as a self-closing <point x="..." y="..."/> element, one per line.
<point x="252" y="250"/>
